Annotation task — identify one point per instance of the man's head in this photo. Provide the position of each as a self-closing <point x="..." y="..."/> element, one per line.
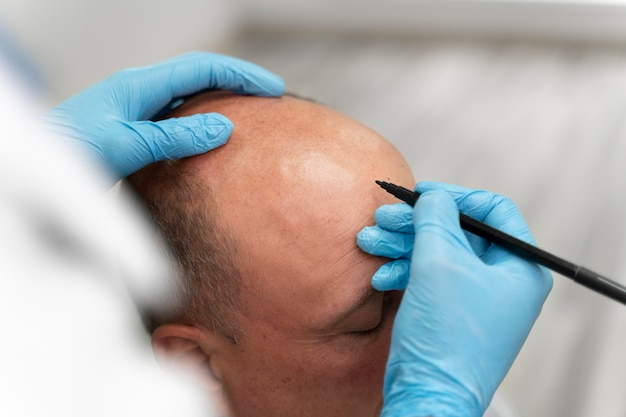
<point x="278" y="305"/>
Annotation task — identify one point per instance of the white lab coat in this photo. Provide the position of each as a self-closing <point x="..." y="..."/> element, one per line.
<point x="72" y="343"/>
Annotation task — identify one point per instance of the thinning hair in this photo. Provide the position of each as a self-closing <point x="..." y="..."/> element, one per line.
<point x="183" y="210"/>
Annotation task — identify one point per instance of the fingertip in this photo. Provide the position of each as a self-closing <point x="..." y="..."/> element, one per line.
<point x="425" y="186"/>
<point x="392" y="276"/>
<point x="397" y="217"/>
<point x="274" y="85"/>
<point x="197" y="71"/>
<point x="217" y="129"/>
<point x="185" y="136"/>
<point x="364" y="239"/>
<point x="263" y="83"/>
<point x="245" y="77"/>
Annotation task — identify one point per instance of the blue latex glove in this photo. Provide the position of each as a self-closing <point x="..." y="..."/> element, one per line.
<point x="394" y="234"/>
<point x="111" y="119"/>
<point x="392" y="237"/>
<point x="468" y="306"/>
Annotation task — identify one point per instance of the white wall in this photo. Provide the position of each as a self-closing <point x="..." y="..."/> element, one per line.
<point x="603" y="20"/>
<point x="79" y="42"/>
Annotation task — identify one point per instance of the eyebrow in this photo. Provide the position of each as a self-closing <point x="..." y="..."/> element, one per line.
<point x="365" y="296"/>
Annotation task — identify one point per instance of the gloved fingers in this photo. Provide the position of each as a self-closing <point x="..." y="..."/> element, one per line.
<point x="499" y="212"/>
<point x="508" y="219"/>
<point x="399" y="217"/>
<point x="474" y="203"/>
<point x="179" y="137"/>
<point x="194" y="72"/>
<point x="395" y="217"/>
<point x="380" y="242"/>
<point x="242" y="77"/>
<point x="493" y="209"/>
<point x="393" y="275"/>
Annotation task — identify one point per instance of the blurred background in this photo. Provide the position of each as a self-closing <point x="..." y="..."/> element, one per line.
<point x="522" y="97"/>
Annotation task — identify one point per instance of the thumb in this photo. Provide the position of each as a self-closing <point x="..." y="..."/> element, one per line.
<point x="184" y="136"/>
<point x="437" y="225"/>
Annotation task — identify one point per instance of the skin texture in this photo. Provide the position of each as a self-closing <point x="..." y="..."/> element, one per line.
<point x="293" y="186"/>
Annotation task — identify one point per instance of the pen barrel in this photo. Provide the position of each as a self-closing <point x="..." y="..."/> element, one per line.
<point x="579" y="274"/>
<point x="518" y="247"/>
<point x="600" y="284"/>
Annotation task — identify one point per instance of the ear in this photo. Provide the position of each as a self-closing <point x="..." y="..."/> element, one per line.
<point x="196" y="351"/>
<point x="189" y="348"/>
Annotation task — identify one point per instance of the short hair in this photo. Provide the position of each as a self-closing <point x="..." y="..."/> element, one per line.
<point x="183" y="210"/>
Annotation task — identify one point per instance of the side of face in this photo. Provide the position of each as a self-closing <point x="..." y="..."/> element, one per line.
<point x="294" y="186"/>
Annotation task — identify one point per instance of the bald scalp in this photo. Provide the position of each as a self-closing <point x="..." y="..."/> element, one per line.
<point x="215" y="209"/>
<point x="268" y="131"/>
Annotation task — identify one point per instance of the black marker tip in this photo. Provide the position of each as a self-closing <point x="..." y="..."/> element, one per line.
<point x="402" y="193"/>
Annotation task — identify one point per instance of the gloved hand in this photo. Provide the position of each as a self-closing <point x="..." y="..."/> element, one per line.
<point x="467" y="308"/>
<point x="111" y="119"/>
